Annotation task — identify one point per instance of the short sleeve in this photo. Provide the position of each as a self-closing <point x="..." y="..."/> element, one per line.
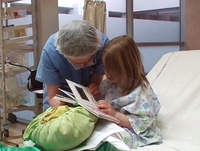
<point x="46" y="71"/>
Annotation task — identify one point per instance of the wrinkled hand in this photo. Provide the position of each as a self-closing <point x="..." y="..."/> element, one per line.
<point x="106" y="107"/>
<point x="94" y="90"/>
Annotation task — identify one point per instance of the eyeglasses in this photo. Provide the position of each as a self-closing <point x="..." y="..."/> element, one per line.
<point x="83" y="64"/>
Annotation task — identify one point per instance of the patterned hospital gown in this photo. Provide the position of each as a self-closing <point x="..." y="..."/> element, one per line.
<point x="141" y="108"/>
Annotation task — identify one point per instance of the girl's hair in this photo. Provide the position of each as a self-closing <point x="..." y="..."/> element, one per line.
<point x="122" y="62"/>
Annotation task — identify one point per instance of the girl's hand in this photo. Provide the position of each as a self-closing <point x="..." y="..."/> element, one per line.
<point x="106" y="107"/>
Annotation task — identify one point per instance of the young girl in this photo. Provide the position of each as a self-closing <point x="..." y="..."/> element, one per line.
<point x="127" y="94"/>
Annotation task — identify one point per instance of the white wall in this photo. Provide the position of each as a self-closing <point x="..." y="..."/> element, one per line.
<point x="142" y="5"/>
<point x="78" y="5"/>
<point x="24" y="1"/>
<point x="116" y="5"/>
<point x="67" y="3"/>
<point x="155" y="31"/>
<point x="151" y="55"/>
<point x="119" y="5"/>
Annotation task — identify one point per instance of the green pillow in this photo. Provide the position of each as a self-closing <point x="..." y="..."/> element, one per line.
<point x="61" y="128"/>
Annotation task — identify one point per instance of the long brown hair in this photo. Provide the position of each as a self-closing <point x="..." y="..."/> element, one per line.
<point x="122" y="62"/>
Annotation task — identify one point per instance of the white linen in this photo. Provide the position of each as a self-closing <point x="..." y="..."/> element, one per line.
<point x="176" y="81"/>
<point x="104" y="130"/>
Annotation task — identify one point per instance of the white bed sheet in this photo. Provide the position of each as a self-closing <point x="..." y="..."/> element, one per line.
<point x="176" y="81"/>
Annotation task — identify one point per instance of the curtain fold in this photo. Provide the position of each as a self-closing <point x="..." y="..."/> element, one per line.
<point x="95" y="13"/>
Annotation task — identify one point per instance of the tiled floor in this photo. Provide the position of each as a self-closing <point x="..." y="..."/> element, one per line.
<point x="15" y="134"/>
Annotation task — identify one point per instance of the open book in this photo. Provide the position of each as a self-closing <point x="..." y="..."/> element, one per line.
<point x="81" y="95"/>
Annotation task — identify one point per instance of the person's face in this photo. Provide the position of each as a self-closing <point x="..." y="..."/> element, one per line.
<point x="110" y="78"/>
<point x="83" y="62"/>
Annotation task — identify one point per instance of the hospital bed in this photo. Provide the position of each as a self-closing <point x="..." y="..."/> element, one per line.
<point x="176" y="81"/>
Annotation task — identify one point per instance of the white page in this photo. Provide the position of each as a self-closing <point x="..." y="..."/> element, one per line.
<point x="68" y="94"/>
<point x="80" y="92"/>
<point x="65" y="99"/>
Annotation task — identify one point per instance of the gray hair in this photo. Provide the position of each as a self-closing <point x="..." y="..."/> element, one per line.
<point x="77" y="39"/>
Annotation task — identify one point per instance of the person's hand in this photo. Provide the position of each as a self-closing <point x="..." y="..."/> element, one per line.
<point x="106" y="107"/>
<point x="56" y="102"/>
<point x="94" y="90"/>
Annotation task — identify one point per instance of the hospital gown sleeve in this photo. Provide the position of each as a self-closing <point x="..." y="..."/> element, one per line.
<point x="141" y="108"/>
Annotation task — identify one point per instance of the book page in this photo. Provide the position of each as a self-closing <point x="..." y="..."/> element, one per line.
<point x="68" y="94"/>
<point x="95" y="110"/>
<point x="65" y="99"/>
<point x="86" y="99"/>
<point x="81" y="93"/>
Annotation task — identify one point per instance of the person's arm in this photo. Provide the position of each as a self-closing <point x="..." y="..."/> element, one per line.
<point x="52" y="91"/>
<point x="124" y="121"/>
<point x="107" y="108"/>
<point x="96" y="79"/>
<point x="94" y="85"/>
<point x="48" y="73"/>
<point x="99" y="71"/>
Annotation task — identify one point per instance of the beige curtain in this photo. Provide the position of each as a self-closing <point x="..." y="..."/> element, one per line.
<point x="95" y="13"/>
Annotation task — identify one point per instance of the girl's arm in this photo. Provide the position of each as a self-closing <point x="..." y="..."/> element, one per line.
<point x="107" y="108"/>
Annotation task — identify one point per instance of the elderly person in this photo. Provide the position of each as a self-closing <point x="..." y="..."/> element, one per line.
<point x="73" y="53"/>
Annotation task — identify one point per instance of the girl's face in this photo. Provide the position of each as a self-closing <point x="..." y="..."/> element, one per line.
<point x="110" y="78"/>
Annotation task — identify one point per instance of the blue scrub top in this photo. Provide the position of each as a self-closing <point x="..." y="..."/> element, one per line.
<point x="54" y="68"/>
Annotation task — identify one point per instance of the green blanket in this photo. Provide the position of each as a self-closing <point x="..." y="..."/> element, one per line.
<point x="106" y="146"/>
<point x="61" y="128"/>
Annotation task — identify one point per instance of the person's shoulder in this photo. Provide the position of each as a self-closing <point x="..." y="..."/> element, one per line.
<point x="52" y="38"/>
<point x="104" y="38"/>
<point x="50" y="44"/>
